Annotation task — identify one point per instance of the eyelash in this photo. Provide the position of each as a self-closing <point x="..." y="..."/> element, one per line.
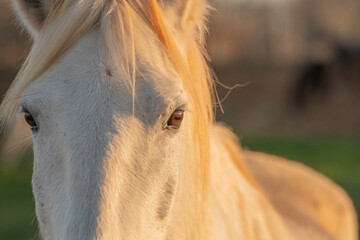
<point x="30" y="120"/>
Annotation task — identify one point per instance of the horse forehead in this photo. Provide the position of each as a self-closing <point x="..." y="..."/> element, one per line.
<point x="85" y="76"/>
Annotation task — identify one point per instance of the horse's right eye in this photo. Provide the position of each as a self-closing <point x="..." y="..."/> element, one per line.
<point x="30" y="120"/>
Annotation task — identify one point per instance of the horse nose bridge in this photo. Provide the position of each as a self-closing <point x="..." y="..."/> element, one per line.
<point x="95" y="172"/>
<point x="84" y="189"/>
<point x="82" y="206"/>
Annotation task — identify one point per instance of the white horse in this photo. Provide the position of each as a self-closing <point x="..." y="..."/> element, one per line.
<point x="119" y="99"/>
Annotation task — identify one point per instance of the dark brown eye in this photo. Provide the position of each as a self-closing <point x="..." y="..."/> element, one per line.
<point x="176" y="119"/>
<point x="30" y="120"/>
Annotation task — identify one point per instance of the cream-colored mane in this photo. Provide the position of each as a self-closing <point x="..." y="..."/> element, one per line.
<point x="236" y="196"/>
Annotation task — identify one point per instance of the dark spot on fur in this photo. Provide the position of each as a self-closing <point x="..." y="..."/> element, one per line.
<point x="165" y="199"/>
<point x="108" y="72"/>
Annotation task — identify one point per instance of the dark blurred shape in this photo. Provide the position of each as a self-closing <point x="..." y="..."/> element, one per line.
<point x="348" y="55"/>
<point x="311" y="81"/>
<point x="349" y="60"/>
<point x="314" y="79"/>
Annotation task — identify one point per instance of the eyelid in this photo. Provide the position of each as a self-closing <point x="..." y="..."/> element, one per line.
<point x="178" y="102"/>
<point x="183" y="107"/>
<point x="22" y="110"/>
<point x="23" y="106"/>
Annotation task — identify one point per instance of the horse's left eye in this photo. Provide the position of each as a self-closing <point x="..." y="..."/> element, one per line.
<point x="30" y="120"/>
<point x="176" y="119"/>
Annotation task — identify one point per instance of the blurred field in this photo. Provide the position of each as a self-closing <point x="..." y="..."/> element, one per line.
<point x="336" y="158"/>
<point x="17" y="216"/>
<point x="268" y="45"/>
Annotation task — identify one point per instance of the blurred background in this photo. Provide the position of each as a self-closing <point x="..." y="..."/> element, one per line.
<point x="298" y="62"/>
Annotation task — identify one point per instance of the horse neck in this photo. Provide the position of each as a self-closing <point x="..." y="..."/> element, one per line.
<point x="235" y="198"/>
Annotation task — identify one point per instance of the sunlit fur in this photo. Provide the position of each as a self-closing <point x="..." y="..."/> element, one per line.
<point x="227" y="197"/>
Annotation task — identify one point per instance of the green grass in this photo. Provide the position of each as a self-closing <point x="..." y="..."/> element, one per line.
<point x="17" y="214"/>
<point x="337" y="159"/>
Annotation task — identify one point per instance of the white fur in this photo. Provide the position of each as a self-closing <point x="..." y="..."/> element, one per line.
<point x="94" y="162"/>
